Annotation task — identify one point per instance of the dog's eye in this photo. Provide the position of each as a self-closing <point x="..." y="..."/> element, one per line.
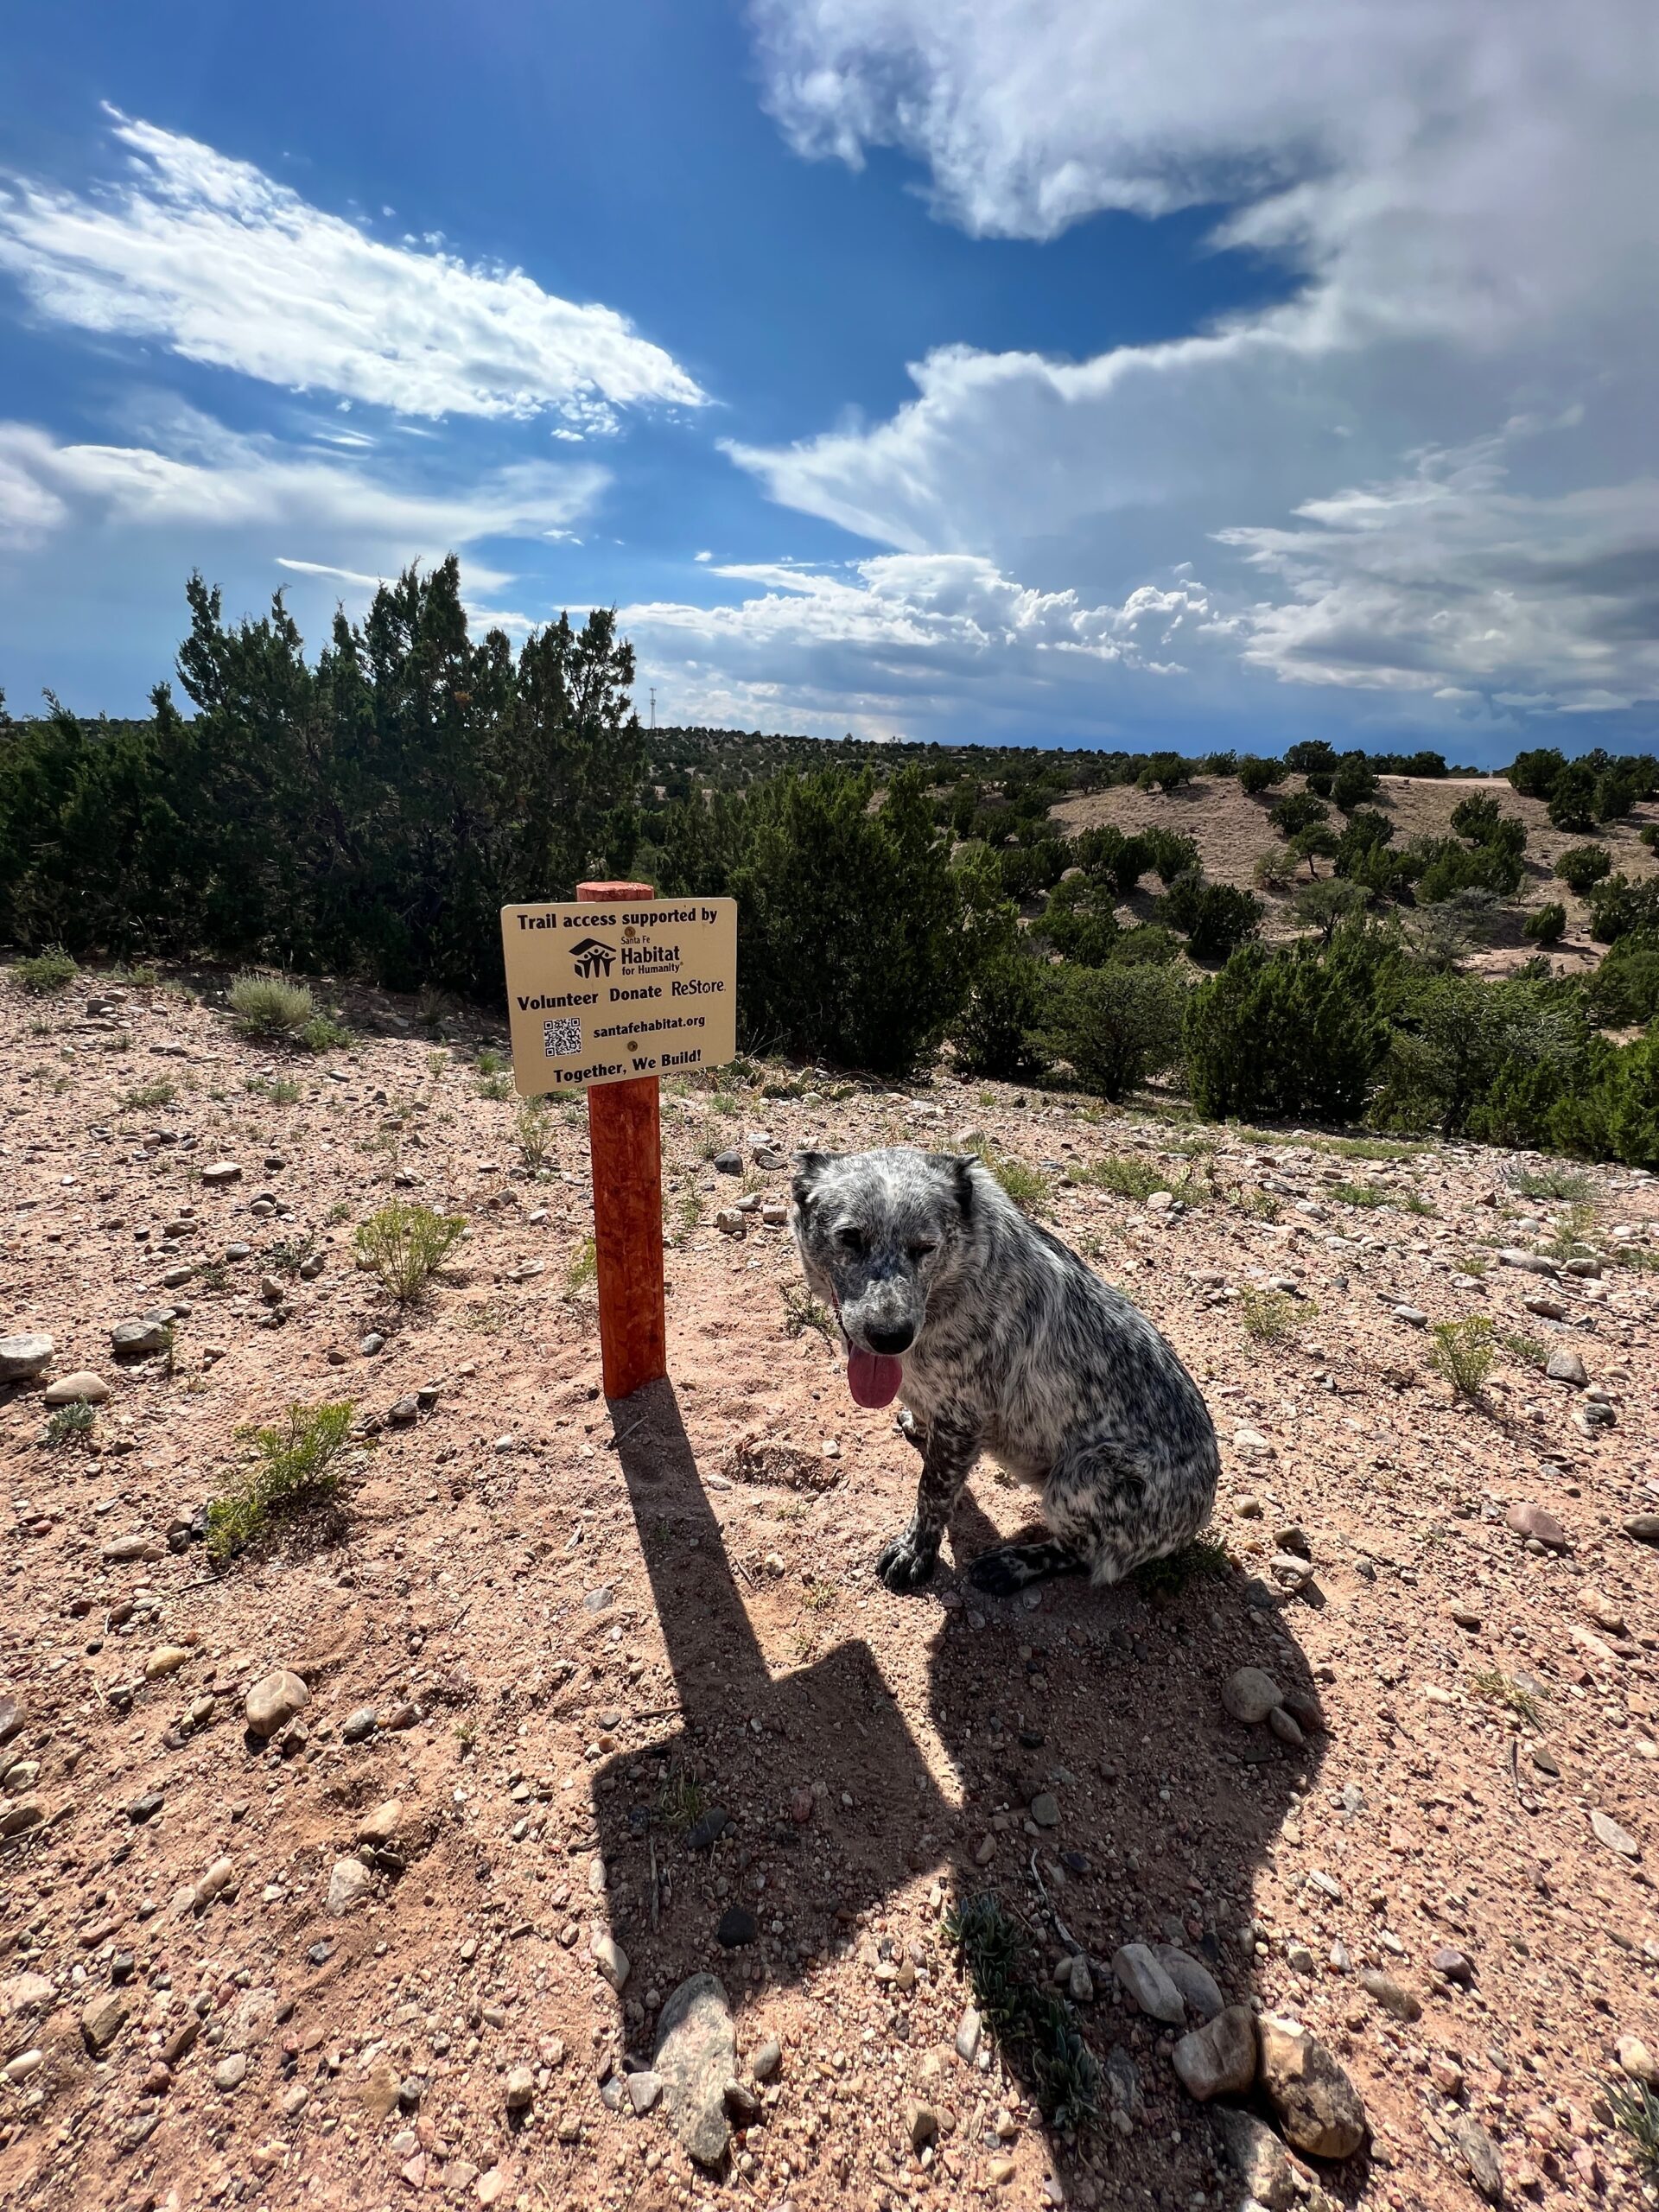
<point x="920" y="1251"/>
<point x="851" y="1240"/>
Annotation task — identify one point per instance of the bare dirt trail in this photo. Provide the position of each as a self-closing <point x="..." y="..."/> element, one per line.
<point x="557" y="1647"/>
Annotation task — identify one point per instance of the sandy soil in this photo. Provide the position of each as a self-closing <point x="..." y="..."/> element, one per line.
<point x="579" y="1636"/>
<point x="1232" y="830"/>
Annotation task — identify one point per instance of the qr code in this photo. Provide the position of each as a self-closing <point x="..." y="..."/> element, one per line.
<point x="562" y="1037"/>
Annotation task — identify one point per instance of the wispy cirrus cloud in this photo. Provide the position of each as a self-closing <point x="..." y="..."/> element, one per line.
<point x="210" y="256"/>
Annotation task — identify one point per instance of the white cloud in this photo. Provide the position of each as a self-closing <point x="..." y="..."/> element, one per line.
<point x="882" y="642"/>
<point x="1460" y="193"/>
<point x="210" y="479"/>
<point x="225" y="266"/>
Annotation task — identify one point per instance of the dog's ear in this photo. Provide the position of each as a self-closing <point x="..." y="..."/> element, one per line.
<point x="959" y="1166"/>
<point x="809" y="1166"/>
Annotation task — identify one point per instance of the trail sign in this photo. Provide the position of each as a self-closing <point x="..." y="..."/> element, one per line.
<point x="601" y="993"/>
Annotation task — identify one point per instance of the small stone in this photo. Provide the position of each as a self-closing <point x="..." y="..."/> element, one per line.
<point x="1535" y="1521"/>
<point x="349" y="1884"/>
<point x="1636" y="2060"/>
<point x="1642" y="1528"/>
<point x="377" y="2092"/>
<point x="1466" y="1617"/>
<point x="1607" y="1830"/>
<point x="738" y="1926"/>
<point x="1600" y="1608"/>
<point x="1045" y="1810"/>
<point x="728" y="1163"/>
<point x="1393" y="1996"/>
<point x="83" y="1388"/>
<point x="731" y="1221"/>
<point x="273" y="1701"/>
<point x="219" y="1172"/>
<point x="1259" y="2159"/>
<point x="1284" y="1726"/>
<point x="767" y="2058"/>
<point x="695" y="2055"/>
<point x="1452" y="1965"/>
<point x="968" y="2030"/>
<point x="167" y="1659"/>
<point x="742" y="2106"/>
<point x="372" y="1343"/>
<point x="1318" y="2105"/>
<point x="358" y="1725"/>
<point x="403" y="1412"/>
<point x="600" y="1600"/>
<point x="922" y="2125"/>
<point x="1564" y="1365"/>
<point x="1592" y="1413"/>
<point x="231" y="2072"/>
<point x="608" y="1955"/>
<point x="521" y="2088"/>
<point x="645" y="2092"/>
<point x="22" y="1358"/>
<point x="1200" y="1992"/>
<point x="145" y="1808"/>
<point x="381" y="1825"/>
<point x="138" y="1547"/>
<point x="1249" y="1694"/>
<point x="1218" y="2060"/>
<point x="1447" y="2076"/>
<point x="1480" y="2155"/>
<point x="11" y="1719"/>
<point x="139" y="1339"/>
<point x="102" y="2021"/>
<point x="1147" y="1984"/>
<point x="218" y="1878"/>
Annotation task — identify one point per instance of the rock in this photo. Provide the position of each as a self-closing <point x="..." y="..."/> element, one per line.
<point x="1480" y="2154"/>
<point x="1636" y="2060"/>
<point x="167" y="1659"/>
<point x="21" y="1358"/>
<point x="608" y="1955"/>
<point x="377" y="2091"/>
<point x="1592" y="1413"/>
<point x="695" y="2054"/>
<point x="26" y="1992"/>
<point x="1393" y="1996"/>
<point x="83" y="1388"/>
<point x="273" y="1701"/>
<point x="922" y="2125"/>
<point x="1199" y="1990"/>
<point x="706" y="1833"/>
<point x="219" y="1172"/>
<point x="600" y="1600"/>
<point x="730" y="1222"/>
<point x="969" y="2030"/>
<point x="1285" y="1726"/>
<point x="1218" y="2060"/>
<point x="349" y="1884"/>
<point x="1258" y="2159"/>
<point x="1318" y="2106"/>
<point x="1535" y="1521"/>
<point x="645" y="2092"/>
<point x="728" y="1163"/>
<point x="1546" y="1307"/>
<point x="231" y="2072"/>
<point x="11" y="1719"/>
<point x="1250" y="1695"/>
<point x="217" y="1879"/>
<point x="1467" y="1617"/>
<point x="1642" y="1528"/>
<point x="1532" y="1263"/>
<point x="358" y="1725"/>
<point x="137" y="1546"/>
<point x="1607" y="1830"/>
<point x="738" y="1926"/>
<point x="381" y="1825"/>
<point x="1452" y="1965"/>
<point x="182" y="2040"/>
<point x="1600" y="1608"/>
<point x="372" y="1343"/>
<point x="1413" y="1316"/>
<point x="742" y="2106"/>
<point x="403" y="1412"/>
<point x="1148" y="1985"/>
<point x="102" y="2020"/>
<point x="139" y="1339"/>
<point x="769" y="2056"/>
<point x="1045" y="1810"/>
<point x="521" y="2088"/>
<point x="1565" y="1366"/>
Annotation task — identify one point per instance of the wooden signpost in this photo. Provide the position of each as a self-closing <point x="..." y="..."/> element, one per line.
<point x="605" y="992"/>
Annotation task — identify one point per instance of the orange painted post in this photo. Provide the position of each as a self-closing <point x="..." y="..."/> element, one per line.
<point x="626" y="1143"/>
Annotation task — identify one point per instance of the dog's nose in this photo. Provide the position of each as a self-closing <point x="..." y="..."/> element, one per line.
<point x="891" y="1341"/>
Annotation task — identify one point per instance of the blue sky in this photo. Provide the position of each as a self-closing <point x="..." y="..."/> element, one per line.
<point x="1122" y="372"/>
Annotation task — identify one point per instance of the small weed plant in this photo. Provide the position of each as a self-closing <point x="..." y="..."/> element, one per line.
<point x="68" y="1423"/>
<point x="270" y="1009"/>
<point x="803" y="1312"/>
<point x="1635" y="2114"/>
<point x="583" y="1268"/>
<point x="681" y="1801"/>
<point x="1529" y="1351"/>
<point x="1027" y="1186"/>
<point x="532" y="1132"/>
<point x="406" y="1245"/>
<point x="1205" y="1559"/>
<point x="43" y="975"/>
<point x="291" y="1470"/>
<point x="1559" y="1183"/>
<point x="1266" y="1316"/>
<point x="1464" y="1352"/>
<point x="148" y="1098"/>
<point x="1024" y="2011"/>
<point x="1497" y="1688"/>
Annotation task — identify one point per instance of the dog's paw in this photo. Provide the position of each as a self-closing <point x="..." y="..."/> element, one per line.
<point x="907" y="1562"/>
<point x="998" y="1574"/>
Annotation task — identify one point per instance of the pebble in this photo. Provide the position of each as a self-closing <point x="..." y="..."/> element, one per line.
<point x="1528" y="1520"/>
<point x="728" y="1163"/>
<point x="1608" y="1831"/>
<point x="145" y="1808"/>
<point x="645" y="2091"/>
<point x="1148" y="1985"/>
<point x="136" y="1547"/>
<point x="1642" y="1528"/>
<point x="138" y="1339"/>
<point x="1250" y="1694"/>
<point x="102" y="2021"/>
<point x="1218" y="2060"/>
<point x="731" y="1221"/>
<point x="968" y="2030"/>
<point x="738" y="1926"/>
<point x="372" y="1343"/>
<point x="358" y="1725"/>
<point x="521" y="2088"/>
<point x="167" y="1659"/>
<point x="1480" y="2155"/>
<point x="382" y="1824"/>
<point x="22" y="1358"/>
<point x="1259" y="2160"/>
<point x="1636" y="2060"/>
<point x="349" y="1884"/>
<point x="608" y="1955"/>
<point x="83" y="1388"/>
<point x="403" y="1412"/>
<point x="1285" y="1726"/>
<point x="1599" y="1607"/>
<point x="1452" y="1964"/>
<point x="217" y="1879"/>
<point x="695" y="2056"/>
<point x="229" y="2073"/>
<point x="1317" y="2104"/>
<point x="769" y="2056"/>
<point x="1564" y="1365"/>
<point x="1045" y="1810"/>
<point x="1393" y="1996"/>
<point x="219" y="1172"/>
<point x="1200" y="1992"/>
<point x="273" y="1701"/>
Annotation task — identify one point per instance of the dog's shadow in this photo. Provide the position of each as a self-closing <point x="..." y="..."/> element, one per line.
<point x="1091" y="1786"/>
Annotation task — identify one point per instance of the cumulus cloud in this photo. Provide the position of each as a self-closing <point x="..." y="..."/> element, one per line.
<point x="213" y="480"/>
<point x="1457" y="193"/>
<point x="213" y="258"/>
<point x="884" y="641"/>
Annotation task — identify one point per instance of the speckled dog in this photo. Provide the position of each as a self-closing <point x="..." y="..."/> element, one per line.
<point x="998" y="1339"/>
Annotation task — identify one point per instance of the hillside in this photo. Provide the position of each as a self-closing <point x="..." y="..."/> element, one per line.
<point x="572" y="1683"/>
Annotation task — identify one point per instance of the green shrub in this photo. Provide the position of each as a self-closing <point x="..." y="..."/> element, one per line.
<point x="1573" y="798"/>
<point x="1325" y="904"/>
<point x="1213" y="916"/>
<point x="292" y="1468"/>
<point x="271" y="1009"/>
<point x="65" y="1422"/>
<point x="1265" y="1316"/>
<point x="1648" y="834"/>
<point x="1080" y="920"/>
<point x="992" y="1034"/>
<point x="1148" y="945"/>
<point x="1026" y="1185"/>
<point x="1547" y="925"/>
<point x="1025" y="2012"/>
<point x="1464" y="1352"/>
<point x="533" y="1129"/>
<point x="1115" y="1026"/>
<point x="1621" y="908"/>
<point x="1624" y="992"/>
<point x="1256" y="775"/>
<point x="1580" y="865"/>
<point x="1534" y="774"/>
<point x="1171" y="856"/>
<point x="1274" y="870"/>
<point x="1122" y="860"/>
<point x="1165" y="771"/>
<point x="582" y="1269"/>
<point x="43" y="975"/>
<point x="1354" y="784"/>
<point x="405" y="1245"/>
<point x="1297" y="811"/>
<point x="1453" y="1034"/>
<point x="1286" y="1034"/>
<point x="150" y="1097"/>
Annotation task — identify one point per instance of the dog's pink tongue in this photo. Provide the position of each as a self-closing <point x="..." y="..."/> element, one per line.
<point x="873" y="1377"/>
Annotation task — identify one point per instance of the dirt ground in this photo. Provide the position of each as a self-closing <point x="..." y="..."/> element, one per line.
<point x="1232" y="830"/>
<point x="562" y="1637"/>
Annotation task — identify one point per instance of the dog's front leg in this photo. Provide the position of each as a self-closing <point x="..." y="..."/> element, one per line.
<point x="953" y="1443"/>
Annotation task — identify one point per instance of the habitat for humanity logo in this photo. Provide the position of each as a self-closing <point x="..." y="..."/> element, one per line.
<point x="591" y="958"/>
